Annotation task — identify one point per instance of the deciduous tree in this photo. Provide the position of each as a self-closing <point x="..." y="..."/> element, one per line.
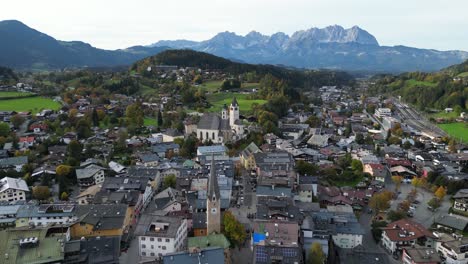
<point x="170" y="181"/>
<point x="316" y="255"/>
<point x="41" y="192"/>
<point x="440" y="192"/>
<point x="397" y="180"/>
<point x="233" y="229"/>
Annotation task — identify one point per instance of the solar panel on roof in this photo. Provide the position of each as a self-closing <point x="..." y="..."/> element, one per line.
<point x="261" y="255"/>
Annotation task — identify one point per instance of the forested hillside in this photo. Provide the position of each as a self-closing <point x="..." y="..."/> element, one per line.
<point x="447" y="88"/>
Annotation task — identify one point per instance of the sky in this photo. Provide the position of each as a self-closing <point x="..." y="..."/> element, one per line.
<point x="435" y="24"/>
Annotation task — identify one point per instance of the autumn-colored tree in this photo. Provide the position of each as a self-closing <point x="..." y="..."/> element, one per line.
<point x="452" y="146"/>
<point x="380" y="201"/>
<point x="63" y="170"/>
<point x="64" y="196"/>
<point x="316" y="255"/>
<point x="41" y="192"/>
<point x="418" y="182"/>
<point x="233" y="229"/>
<point x="405" y="205"/>
<point x="397" y="180"/>
<point x="440" y="193"/>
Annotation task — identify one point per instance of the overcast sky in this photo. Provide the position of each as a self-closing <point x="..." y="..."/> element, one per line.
<point x="112" y="24"/>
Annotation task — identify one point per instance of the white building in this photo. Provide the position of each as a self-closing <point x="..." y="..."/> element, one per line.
<point x="13" y="189"/>
<point x="90" y="175"/>
<point x="454" y="251"/>
<point x="44" y="214"/>
<point x="160" y="235"/>
<point x="381" y="112"/>
<point x="221" y="129"/>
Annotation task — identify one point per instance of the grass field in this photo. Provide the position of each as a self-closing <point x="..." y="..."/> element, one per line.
<point x="413" y="82"/>
<point x="33" y="104"/>
<point x="463" y="74"/>
<point x="211" y="86"/>
<point x="443" y="114"/>
<point x="13" y="94"/>
<point x="456" y="130"/>
<point x="219" y="99"/>
<point x="150" y="121"/>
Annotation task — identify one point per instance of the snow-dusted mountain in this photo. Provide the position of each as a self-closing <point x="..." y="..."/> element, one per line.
<point x="329" y="47"/>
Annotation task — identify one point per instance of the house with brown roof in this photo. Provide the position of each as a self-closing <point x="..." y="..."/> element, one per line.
<point x="406" y="233"/>
<point x="376" y="170"/>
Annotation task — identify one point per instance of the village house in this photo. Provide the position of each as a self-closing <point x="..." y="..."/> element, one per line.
<point x="406" y="233"/>
<point x="160" y="235"/>
<point x="12" y="189"/>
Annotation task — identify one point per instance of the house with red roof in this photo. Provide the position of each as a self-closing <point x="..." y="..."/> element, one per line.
<point x="406" y="233"/>
<point x="26" y="142"/>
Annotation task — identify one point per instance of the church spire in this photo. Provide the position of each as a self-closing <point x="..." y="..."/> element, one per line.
<point x="213" y="188"/>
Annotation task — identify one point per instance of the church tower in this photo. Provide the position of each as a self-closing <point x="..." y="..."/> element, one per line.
<point x="213" y="202"/>
<point x="224" y="112"/>
<point x="233" y="112"/>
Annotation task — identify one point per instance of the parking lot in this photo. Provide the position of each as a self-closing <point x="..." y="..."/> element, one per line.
<point x="421" y="214"/>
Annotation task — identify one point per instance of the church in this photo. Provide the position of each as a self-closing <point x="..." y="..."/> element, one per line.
<point x="221" y="128"/>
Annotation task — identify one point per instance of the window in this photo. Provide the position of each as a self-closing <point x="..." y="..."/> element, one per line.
<point x="143" y="253"/>
<point x="152" y="239"/>
<point x="143" y="246"/>
<point x="143" y="238"/>
<point x="163" y="247"/>
<point x="152" y="246"/>
<point x="152" y="254"/>
<point x="159" y="239"/>
<point x="167" y="240"/>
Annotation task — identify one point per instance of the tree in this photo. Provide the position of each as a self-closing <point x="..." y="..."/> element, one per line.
<point x="316" y="255"/>
<point x="41" y="192"/>
<point x="314" y="121"/>
<point x="393" y="216"/>
<point x="134" y="115"/>
<point x="64" y="196"/>
<point x="306" y="168"/>
<point x="397" y="180"/>
<point x="160" y="118"/>
<point x="440" y="193"/>
<point x="170" y="181"/>
<point x="63" y="170"/>
<point x="359" y="138"/>
<point x="434" y="203"/>
<point x="233" y="229"/>
<point x="380" y="201"/>
<point x="74" y="149"/>
<point x="4" y="129"/>
<point x="17" y="120"/>
<point x="356" y="165"/>
<point x="95" y="118"/>
<point x="83" y="129"/>
<point x="452" y="146"/>
<point x="418" y="182"/>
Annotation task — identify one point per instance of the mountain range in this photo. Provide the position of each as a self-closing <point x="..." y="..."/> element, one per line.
<point x="333" y="47"/>
<point x="22" y="47"/>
